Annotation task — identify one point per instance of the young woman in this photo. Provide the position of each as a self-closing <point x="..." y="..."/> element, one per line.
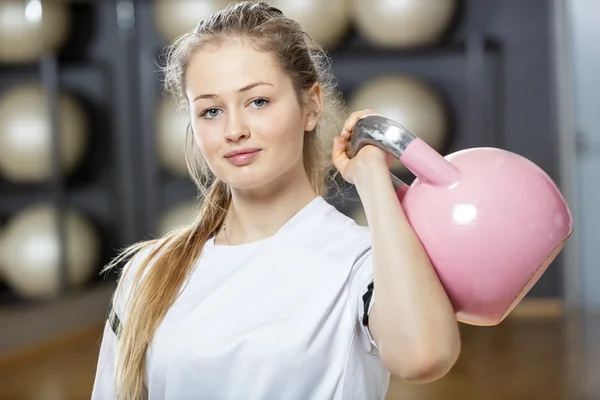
<point x="272" y="293"/>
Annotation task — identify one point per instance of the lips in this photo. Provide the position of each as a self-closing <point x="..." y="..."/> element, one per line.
<point x="241" y="152"/>
<point x="242" y="157"/>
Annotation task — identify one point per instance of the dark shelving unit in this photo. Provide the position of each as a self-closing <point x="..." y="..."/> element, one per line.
<point x="101" y="186"/>
<point x="485" y="69"/>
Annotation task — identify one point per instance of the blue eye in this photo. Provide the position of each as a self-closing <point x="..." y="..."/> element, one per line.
<point x="210" y="113"/>
<point x="260" y="102"/>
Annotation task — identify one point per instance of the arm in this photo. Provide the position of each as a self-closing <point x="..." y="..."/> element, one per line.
<point x="412" y="319"/>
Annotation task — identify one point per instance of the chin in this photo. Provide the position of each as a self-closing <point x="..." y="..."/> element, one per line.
<point x="251" y="178"/>
<point x="246" y="177"/>
<point x="245" y="183"/>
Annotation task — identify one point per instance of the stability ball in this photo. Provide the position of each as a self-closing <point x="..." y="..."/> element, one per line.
<point x="2" y="229"/>
<point x="26" y="134"/>
<point x="30" y="29"/>
<point x="174" y="18"/>
<point x="30" y="251"/>
<point x="171" y="126"/>
<point x="178" y="216"/>
<point x="329" y="126"/>
<point x="405" y="23"/>
<point x="359" y="216"/>
<point x="491" y="221"/>
<point x="326" y="21"/>
<point x="410" y="101"/>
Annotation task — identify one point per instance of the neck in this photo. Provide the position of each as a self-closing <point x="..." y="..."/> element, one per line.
<point x="259" y="213"/>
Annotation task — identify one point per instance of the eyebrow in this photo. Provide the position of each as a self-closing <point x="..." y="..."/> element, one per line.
<point x="244" y="89"/>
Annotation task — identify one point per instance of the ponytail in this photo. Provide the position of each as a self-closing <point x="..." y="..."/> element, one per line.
<point x="154" y="289"/>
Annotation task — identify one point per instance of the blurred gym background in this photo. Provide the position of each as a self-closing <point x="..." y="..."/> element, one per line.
<point x="91" y="161"/>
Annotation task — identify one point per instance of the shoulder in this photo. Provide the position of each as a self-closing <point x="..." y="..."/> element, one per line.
<point x="336" y="228"/>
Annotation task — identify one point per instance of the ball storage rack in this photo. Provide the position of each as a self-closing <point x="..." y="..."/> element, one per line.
<point x="110" y="64"/>
<point x="93" y="67"/>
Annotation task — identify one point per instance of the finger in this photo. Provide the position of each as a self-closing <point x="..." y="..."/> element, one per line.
<point x="339" y="147"/>
<point x="350" y="122"/>
<point x="354" y="117"/>
<point x="339" y="156"/>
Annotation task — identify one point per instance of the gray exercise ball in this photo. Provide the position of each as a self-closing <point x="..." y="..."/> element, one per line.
<point x="358" y="215"/>
<point x="28" y="29"/>
<point x="30" y="251"/>
<point x="403" y="23"/>
<point x="174" y="18"/>
<point x="178" y="216"/>
<point x="329" y="126"/>
<point x="2" y="233"/>
<point x="26" y="134"/>
<point x="171" y="130"/>
<point x="326" y="21"/>
<point x="408" y="100"/>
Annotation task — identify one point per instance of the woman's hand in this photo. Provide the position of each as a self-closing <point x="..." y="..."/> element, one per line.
<point x="367" y="156"/>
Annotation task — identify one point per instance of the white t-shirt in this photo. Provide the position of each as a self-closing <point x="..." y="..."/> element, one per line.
<point x="276" y="319"/>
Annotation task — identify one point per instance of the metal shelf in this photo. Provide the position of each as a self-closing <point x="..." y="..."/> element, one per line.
<point x="103" y="187"/>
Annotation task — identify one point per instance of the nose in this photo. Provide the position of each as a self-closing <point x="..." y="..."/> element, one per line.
<point x="236" y="129"/>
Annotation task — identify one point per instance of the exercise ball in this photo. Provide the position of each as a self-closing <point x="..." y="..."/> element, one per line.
<point x="329" y="126"/>
<point x="30" y="29"/>
<point x="405" y="23"/>
<point x="171" y="127"/>
<point x="176" y="217"/>
<point x="410" y="101"/>
<point x="26" y="134"/>
<point x="491" y="221"/>
<point x="30" y="251"/>
<point x="359" y="216"/>
<point x="174" y="18"/>
<point x="2" y="229"/>
<point x="325" y="21"/>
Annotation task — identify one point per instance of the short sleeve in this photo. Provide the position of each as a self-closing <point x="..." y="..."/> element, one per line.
<point x="362" y="294"/>
<point x="104" y="381"/>
<point x="104" y="384"/>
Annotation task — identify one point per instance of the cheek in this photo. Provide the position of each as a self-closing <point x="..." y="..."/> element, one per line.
<point x="283" y="129"/>
<point x="207" y="138"/>
<point x="284" y="140"/>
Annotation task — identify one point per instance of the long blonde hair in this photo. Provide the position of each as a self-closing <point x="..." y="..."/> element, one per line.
<point x="154" y="289"/>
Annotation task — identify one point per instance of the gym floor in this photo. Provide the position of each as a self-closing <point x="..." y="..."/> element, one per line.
<point x="522" y="358"/>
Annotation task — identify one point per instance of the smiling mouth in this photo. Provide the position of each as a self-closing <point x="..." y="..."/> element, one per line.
<point x="243" y="158"/>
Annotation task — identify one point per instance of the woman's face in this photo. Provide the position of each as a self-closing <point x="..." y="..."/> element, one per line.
<point x="246" y="117"/>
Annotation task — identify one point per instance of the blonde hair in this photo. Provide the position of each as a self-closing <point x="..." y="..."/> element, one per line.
<point x="155" y="289"/>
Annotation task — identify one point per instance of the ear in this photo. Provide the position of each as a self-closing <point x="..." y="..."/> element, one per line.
<point x="315" y="108"/>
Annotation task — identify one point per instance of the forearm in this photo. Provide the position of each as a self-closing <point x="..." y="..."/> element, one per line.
<point x="416" y="323"/>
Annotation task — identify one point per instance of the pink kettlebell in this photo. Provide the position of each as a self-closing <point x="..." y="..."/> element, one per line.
<point x="490" y="220"/>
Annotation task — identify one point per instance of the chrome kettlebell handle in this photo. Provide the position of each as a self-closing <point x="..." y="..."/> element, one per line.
<point x="384" y="133"/>
<point x="379" y="131"/>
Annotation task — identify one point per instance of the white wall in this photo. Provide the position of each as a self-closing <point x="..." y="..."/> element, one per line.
<point x="579" y="64"/>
